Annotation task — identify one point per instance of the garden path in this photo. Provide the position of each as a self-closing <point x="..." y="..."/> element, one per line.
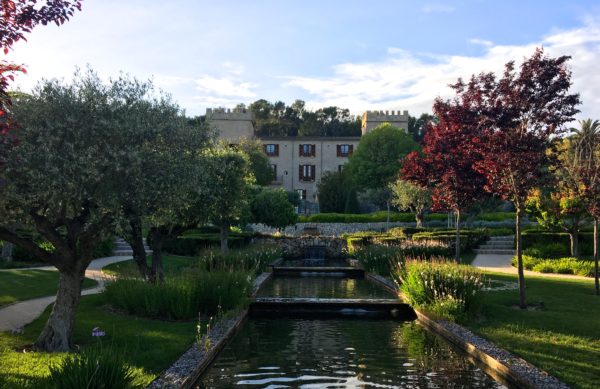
<point x="18" y="315"/>
<point x="501" y="263"/>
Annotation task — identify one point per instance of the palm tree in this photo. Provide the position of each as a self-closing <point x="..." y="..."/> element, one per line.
<point x="586" y="140"/>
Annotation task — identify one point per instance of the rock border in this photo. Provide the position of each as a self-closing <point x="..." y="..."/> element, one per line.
<point x="514" y="370"/>
<point x="191" y="364"/>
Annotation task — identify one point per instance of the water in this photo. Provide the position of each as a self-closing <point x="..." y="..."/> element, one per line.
<point x="323" y="287"/>
<point x="312" y="262"/>
<point x="286" y="353"/>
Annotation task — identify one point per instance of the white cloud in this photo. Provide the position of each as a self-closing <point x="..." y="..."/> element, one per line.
<point x="482" y="42"/>
<point x="224" y="86"/>
<point x="411" y="81"/>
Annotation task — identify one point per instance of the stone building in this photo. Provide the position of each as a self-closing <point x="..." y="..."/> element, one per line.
<point x="299" y="162"/>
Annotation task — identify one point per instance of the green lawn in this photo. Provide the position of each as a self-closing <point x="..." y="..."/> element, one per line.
<point x="563" y="338"/>
<point x="18" y="285"/>
<point x="150" y="346"/>
<point x="171" y="263"/>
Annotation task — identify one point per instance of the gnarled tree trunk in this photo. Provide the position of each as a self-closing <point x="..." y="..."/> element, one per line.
<point x="135" y="238"/>
<point x="419" y="218"/>
<point x="158" y="273"/>
<point x="56" y="335"/>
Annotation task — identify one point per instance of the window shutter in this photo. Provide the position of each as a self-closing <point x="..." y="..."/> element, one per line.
<point x="301" y="174"/>
<point x="265" y="149"/>
<point x="350" y="149"/>
<point x="313" y="150"/>
<point x="300" y="150"/>
<point x="313" y="170"/>
<point x="339" y="150"/>
<point x="277" y="150"/>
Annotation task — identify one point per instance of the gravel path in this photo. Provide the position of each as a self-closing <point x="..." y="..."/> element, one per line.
<point x="20" y="314"/>
<point x="501" y="264"/>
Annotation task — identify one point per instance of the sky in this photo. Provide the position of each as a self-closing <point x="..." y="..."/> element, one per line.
<point x="361" y="55"/>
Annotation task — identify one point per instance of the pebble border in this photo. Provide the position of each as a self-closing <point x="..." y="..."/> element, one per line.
<point x="190" y="366"/>
<point x="514" y="370"/>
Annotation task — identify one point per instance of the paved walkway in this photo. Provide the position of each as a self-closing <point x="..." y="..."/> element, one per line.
<point x="22" y="313"/>
<point x="500" y="263"/>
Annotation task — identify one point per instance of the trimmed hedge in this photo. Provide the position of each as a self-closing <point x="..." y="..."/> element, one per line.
<point x="542" y="243"/>
<point x="375" y="217"/>
<point x="192" y="243"/>
<point x="567" y="265"/>
<point x="496" y="216"/>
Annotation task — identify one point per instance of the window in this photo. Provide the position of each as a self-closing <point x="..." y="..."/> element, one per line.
<point x="301" y="193"/>
<point x="344" y="150"/>
<point x="274" y="168"/>
<point x="307" y="172"/>
<point x="340" y="168"/>
<point x="272" y="150"/>
<point x="307" y="150"/>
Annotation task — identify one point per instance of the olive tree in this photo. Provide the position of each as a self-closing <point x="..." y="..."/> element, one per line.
<point x="412" y="197"/>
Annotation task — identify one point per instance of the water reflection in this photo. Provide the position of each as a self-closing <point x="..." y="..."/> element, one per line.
<point x="322" y="287"/>
<point x="340" y="354"/>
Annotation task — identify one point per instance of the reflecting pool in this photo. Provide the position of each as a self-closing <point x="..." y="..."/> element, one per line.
<point x="287" y="353"/>
<point x="323" y="287"/>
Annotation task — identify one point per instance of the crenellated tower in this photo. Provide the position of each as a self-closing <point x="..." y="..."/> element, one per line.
<point x="232" y="125"/>
<point x="372" y="119"/>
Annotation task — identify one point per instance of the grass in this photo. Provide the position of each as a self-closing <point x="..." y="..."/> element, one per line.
<point x="563" y="338"/>
<point x="20" y="285"/>
<point x="172" y="264"/>
<point x="150" y="346"/>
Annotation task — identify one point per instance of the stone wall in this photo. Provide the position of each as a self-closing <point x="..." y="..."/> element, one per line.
<point x="330" y="229"/>
<point x="295" y="247"/>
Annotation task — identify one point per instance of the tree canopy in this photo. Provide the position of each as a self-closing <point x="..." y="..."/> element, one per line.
<point x="376" y="160"/>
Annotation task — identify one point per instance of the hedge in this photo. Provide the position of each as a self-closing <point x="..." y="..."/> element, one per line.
<point x="192" y="243"/>
<point x="567" y="265"/>
<point x="375" y="217"/>
<point x="555" y="244"/>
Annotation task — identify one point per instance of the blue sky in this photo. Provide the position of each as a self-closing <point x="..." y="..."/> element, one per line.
<point x="355" y="54"/>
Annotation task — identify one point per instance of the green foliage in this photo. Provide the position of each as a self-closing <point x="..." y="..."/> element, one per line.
<point x="449" y="290"/>
<point x="93" y="368"/>
<point x="495" y="216"/>
<point x="374" y="217"/>
<point x="336" y="194"/>
<point x="554" y="244"/>
<point x="376" y="160"/>
<point x="567" y="265"/>
<point x="408" y="196"/>
<point x="181" y="297"/>
<point x="259" y="164"/>
<point x="254" y="259"/>
<point x="378" y="258"/>
<point x="272" y="208"/>
<point x="105" y="248"/>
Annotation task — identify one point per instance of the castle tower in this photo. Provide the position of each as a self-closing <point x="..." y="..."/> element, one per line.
<point x="372" y="119"/>
<point x="232" y="126"/>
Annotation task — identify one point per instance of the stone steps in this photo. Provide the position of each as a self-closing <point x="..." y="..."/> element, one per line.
<point x="500" y="245"/>
<point x="123" y="248"/>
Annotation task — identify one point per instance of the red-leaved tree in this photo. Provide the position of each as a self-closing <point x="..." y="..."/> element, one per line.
<point x="519" y="114"/>
<point x="17" y="18"/>
<point x="446" y="161"/>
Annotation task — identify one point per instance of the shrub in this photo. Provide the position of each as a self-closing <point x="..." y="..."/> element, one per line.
<point x="495" y="216"/>
<point x="566" y="265"/>
<point x="254" y="259"/>
<point x="375" y="217"/>
<point x="181" y="297"/>
<point x="442" y="287"/>
<point x="105" y="248"/>
<point x="93" y="368"/>
<point x="377" y="258"/>
<point x="190" y="244"/>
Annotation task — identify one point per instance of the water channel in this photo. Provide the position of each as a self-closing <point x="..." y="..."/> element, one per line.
<point x="294" y="351"/>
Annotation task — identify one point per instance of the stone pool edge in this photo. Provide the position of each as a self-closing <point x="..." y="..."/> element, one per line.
<point x="509" y="367"/>
<point x="188" y="368"/>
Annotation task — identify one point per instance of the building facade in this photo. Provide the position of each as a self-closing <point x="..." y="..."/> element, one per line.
<point x="299" y="163"/>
